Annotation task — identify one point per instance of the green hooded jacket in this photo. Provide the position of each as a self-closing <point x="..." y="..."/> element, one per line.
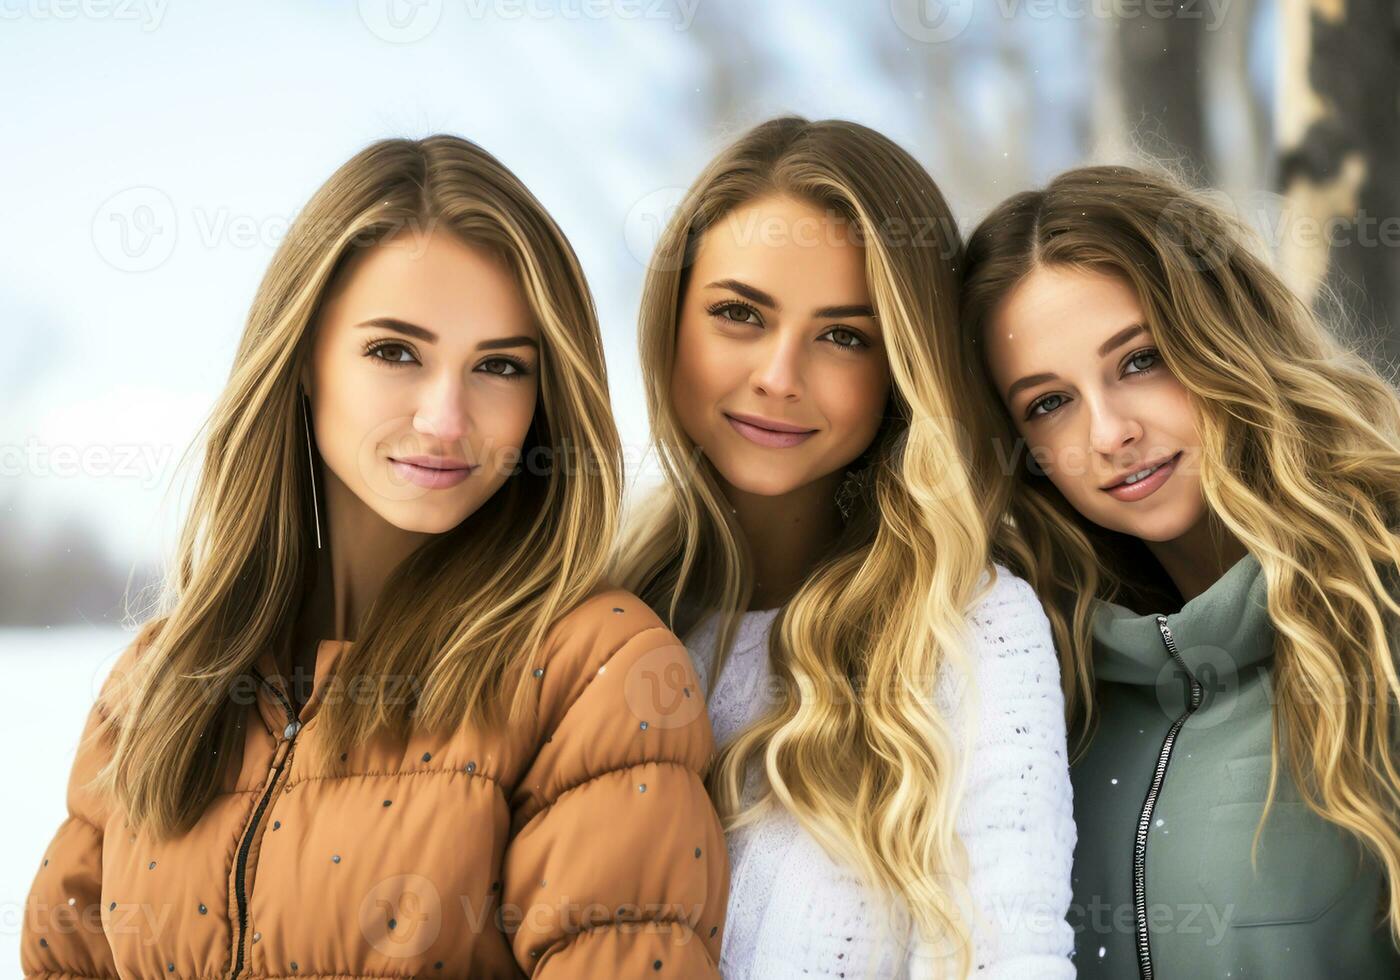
<point x="1167" y="800"/>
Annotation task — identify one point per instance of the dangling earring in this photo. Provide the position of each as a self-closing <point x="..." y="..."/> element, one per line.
<point x="861" y="471"/>
<point x="851" y="488"/>
<point x="311" y="464"/>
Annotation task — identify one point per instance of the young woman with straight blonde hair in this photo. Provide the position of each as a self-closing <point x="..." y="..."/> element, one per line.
<point x="1209" y="506"/>
<point x="393" y="720"/>
<point x="892" y="770"/>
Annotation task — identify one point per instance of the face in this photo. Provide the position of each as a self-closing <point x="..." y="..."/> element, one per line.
<point x="422" y="379"/>
<point x="780" y="373"/>
<point x="1077" y="369"/>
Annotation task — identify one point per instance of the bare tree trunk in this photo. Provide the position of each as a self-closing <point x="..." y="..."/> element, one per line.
<point x="1159" y="61"/>
<point x="1239" y="119"/>
<point x="1339" y="138"/>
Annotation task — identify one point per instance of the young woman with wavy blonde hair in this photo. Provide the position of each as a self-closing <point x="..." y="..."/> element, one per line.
<point x="391" y="720"/>
<point x="886" y="700"/>
<point x="1204" y="489"/>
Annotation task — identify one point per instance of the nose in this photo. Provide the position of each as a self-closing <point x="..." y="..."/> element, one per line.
<point x="442" y="412"/>
<point x="1110" y="428"/>
<point x="778" y="369"/>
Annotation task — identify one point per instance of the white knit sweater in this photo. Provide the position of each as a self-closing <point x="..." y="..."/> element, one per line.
<point x="794" y="912"/>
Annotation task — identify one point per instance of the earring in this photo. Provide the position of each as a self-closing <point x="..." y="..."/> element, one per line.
<point x="851" y="488"/>
<point x="311" y="465"/>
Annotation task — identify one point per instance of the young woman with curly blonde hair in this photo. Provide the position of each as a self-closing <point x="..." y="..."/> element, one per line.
<point x="1204" y="488"/>
<point x="892" y="769"/>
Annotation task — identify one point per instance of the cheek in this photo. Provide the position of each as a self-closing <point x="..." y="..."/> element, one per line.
<point x="1178" y="413"/>
<point x="1024" y="444"/>
<point x="852" y="398"/>
<point x="702" y="373"/>
<point x="1056" y="459"/>
<point x="503" y="416"/>
<point x="356" y="410"/>
<point x="1062" y="452"/>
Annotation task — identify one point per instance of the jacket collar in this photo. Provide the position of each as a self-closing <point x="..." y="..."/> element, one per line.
<point x="1229" y="618"/>
<point x="273" y="711"/>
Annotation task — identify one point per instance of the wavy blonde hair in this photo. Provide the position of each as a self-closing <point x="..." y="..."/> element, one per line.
<point x="462" y="616"/>
<point x="1300" y="447"/>
<point x="854" y="748"/>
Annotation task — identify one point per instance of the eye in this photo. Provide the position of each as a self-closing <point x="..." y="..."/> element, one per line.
<point x="506" y="367"/>
<point x="1046" y="403"/>
<point x="856" y="341"/>
<point x="398" y="355"/>
<point x="728" y="309"/>
<point x="1149" y="353"/>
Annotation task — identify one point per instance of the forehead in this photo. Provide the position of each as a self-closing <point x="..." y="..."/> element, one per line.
<point x="433" y="279"/>
<point x="804" y="254"/>
<point x="1055" y="318"/>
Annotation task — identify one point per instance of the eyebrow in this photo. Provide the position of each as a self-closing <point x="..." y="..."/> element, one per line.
<point x="423" y="333"/>
<point x="764" y="299"/>
<point x="1106" y="348"/>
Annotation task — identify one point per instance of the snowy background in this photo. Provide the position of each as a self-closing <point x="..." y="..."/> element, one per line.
<point x="153" y="153"/>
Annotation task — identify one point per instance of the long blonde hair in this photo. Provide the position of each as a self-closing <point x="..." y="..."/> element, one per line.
<point x="854" y="748"/>
<point x="464" y="614"/>
<point x="1300" y="446"/>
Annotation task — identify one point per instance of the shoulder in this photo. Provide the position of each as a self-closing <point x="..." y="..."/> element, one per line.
<point x="1011" y="634"/>
<point x="1016" y="674"/>
<point x="615" y="688"/>
<point x="611" y="629"/>
<point x="125" y="675"/>
<point x="1008" y="601"/>
<point x="603" y="623"/>
<point x="146" y="635"/>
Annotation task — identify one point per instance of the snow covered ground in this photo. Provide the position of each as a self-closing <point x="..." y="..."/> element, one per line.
<point x="48" y="681"/>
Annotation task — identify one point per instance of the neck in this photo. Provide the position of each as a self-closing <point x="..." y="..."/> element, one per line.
<point x="1197" y="559"/>
<point x="360" y="551"/>
<point x="786" y="534"/>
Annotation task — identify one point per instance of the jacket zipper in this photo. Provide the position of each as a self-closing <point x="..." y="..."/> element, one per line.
<point x="1164" y="757"/>
<point x="241" y="865"/>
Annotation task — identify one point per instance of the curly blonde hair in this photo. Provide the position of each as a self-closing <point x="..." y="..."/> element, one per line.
<point x="1300" y="447"/>
<point x="854" y="746"/>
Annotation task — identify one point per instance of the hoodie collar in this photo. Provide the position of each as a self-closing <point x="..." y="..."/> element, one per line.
<point x="1230" y="619"/>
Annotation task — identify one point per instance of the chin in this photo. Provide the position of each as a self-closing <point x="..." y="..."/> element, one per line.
<point x="426" y="520"/>
<point x="1169" y="525"/>
<point x="767" y="484"/>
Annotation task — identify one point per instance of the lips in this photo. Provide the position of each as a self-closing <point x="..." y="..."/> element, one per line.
<point x="756" y="431"/>
<point x="1148" y="485"/>
<point x="772" y="425"/>
<point x="430" y="472"/>
<point x="434" y="462"/>
<point x="1149" y="466"/>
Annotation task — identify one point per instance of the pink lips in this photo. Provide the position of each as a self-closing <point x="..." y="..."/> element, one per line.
<point x="771" y="438"/>
<point x="1147" y="486"/>
<point x="431" y="473"/>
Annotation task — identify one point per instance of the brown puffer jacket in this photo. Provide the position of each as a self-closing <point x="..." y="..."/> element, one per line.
<point x="585" y="846"/>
